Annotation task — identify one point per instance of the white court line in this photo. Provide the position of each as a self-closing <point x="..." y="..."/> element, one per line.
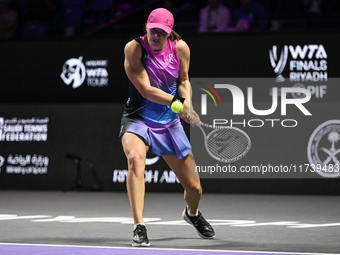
<point x="15" y="217"/>
<point x="171" y="249"/>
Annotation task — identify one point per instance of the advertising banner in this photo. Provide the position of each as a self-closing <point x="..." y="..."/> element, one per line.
<point x="258" y="128"/>
<point x="61" y="104"/>
<point x="69" y="147"/>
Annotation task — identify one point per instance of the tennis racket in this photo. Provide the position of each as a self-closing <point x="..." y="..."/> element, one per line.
<point x="225" y="144"/>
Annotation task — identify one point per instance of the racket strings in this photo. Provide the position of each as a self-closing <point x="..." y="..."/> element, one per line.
<point x="227" y="143"/>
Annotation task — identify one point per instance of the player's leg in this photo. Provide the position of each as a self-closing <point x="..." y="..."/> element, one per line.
<point x="190" y="181"/>
<point x="185" y="171"/>
<point x="135" y="151"/>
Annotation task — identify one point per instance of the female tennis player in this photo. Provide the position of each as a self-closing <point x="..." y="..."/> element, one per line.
<point x="157" y="66"/>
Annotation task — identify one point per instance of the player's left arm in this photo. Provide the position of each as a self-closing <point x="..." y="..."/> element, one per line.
<point x="184" y="86"/>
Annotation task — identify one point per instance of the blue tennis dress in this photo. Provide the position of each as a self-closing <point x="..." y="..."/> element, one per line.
<point x="157" y="124"/>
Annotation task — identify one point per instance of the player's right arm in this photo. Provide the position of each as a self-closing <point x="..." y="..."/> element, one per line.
<point x="137" y="74"/>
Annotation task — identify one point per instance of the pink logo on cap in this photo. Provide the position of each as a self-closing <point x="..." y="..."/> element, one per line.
<point x="161" y="18"/>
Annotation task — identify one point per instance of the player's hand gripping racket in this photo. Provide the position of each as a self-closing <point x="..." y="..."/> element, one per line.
<point x="226" y="144"/>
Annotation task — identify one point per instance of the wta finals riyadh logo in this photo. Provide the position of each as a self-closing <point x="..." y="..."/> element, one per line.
<point x="74" y="72"/>
<point x="278" y="64"/>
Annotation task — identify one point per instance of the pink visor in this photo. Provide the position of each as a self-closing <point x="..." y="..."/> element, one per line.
<point x="161" y="18"/>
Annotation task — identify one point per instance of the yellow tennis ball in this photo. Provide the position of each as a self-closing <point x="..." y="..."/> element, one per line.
<point x="176" y="106"/>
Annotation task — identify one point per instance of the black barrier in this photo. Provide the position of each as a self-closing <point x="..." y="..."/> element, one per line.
<point x="66" y="97"/>
<point x="55" y="146"/>
<point x="84" y="71"/>
<point x="91" y="70"/>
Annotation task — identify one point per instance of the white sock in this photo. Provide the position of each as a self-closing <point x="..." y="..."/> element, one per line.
<point x="192" y="215"/>
<point x="134" y="226"/>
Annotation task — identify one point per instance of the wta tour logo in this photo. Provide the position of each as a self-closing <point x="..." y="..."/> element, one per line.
<point x="323" y="149"/>
<point x="306" y="63"/>
<point x="75" y="72"/>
